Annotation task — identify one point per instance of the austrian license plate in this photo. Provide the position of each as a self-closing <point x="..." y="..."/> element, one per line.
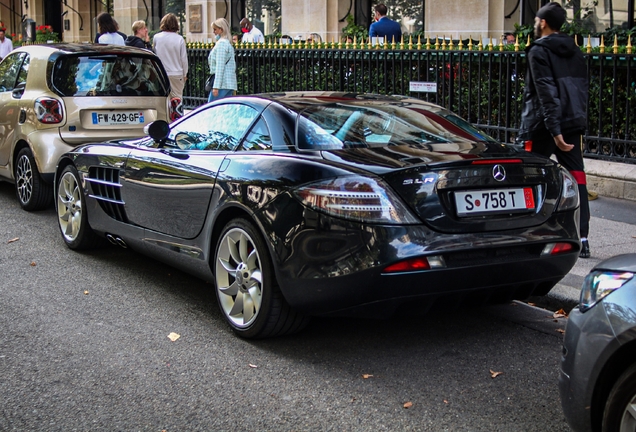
<point x="118" y="118"/>
<point x="494" y="201"/>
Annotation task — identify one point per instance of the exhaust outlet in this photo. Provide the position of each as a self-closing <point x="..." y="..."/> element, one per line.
<point x="117" y="241"/>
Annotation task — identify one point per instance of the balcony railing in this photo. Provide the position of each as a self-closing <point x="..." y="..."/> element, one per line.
<point x="482" y="83"/>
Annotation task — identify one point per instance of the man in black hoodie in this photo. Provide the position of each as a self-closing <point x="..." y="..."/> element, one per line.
<point x="555" y="102"/>
<point x="139" y="37"/>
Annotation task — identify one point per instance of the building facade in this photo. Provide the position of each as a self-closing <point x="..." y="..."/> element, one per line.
<point x="74" y="20"/>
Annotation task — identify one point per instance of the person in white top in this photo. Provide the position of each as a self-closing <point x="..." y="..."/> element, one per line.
<point x="171" y="50"/>
<point x="6" y="45"/>
<point x="108" y="30"/>
<point x="251" y="33"/>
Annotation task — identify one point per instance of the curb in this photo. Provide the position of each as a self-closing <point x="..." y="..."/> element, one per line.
<point x="611" y="179"/>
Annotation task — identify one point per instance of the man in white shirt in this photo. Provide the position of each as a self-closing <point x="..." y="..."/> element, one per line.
<point x="251" y="33"/>
<point x="6" y="46"/>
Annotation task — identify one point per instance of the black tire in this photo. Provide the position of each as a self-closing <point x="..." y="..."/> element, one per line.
<point x="32" y="191"/>
<point x="246" y="287"/>
<point x="71" y="212"/>
<point x="620" y="408"/>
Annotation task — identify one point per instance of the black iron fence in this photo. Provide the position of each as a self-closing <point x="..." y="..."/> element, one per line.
<point x="482" y="84"/>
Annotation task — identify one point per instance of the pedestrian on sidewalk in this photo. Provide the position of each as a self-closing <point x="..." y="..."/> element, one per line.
<point x="222" y="63"/>
<point x="384" y="27"/>
<point x="139" y="38"/>
<point x="108" y="33"/>
<point x="555" y="102"/>
<point x="171" y="50"/>
<point x="250" y="33"/>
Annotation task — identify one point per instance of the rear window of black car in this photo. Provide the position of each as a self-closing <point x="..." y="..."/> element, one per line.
<point x="108" y="76"/>
<point x="338" y="126"/>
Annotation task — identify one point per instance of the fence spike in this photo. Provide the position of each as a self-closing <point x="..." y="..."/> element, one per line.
<point x="428" y="43"/>
<point x="451" y="46"/>
<point x="460" y="45"/>
<point x="480" y="45"/>
<point x="517" y="43"/>
<point x="443" y="42"/>
<point x="437" y="42"/>
<point x="393" y="44"/>
<point x="602" y="45"/>
<point x="419" y="42"/>
<point x="410" y="42"/>
<point x="470" y="42"/>
<point x="629" y="44"/>
<point x="402" y="42"/>
<point x="615" y="44"/>
<point x="501" y="44"/>
<point x="528" y="44"/>
<point x="589" y="43"/>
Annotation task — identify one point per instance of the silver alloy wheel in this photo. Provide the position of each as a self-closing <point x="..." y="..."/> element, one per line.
<point x="628" y="420"/>
<point x="239" y="279"/>
<point x="24" y="178"/>
<point x="69" y="206"/>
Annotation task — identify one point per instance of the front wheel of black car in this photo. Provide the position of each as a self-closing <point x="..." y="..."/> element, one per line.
<point x="71" y="213"/>
<point x="32" y="191"/>
<point x="620" y="409"/>
<point x="246" y="288"/>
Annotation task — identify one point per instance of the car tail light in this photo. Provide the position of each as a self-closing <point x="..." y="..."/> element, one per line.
<point x="416" y="264"/>
<point x="557" y="248"/>
<point x="176" y="109"/>
<point x="357" y="198"/>
<point x="569" y="192"/>
<point x="49" y="110"/>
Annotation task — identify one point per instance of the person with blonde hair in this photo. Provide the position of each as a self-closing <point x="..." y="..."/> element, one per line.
<point x="171" y="50"/>
<point x="221" y="61"/>
<point x="139" y="38"/>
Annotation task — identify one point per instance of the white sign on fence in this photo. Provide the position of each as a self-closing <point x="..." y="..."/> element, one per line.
<point x="424" y="87"/>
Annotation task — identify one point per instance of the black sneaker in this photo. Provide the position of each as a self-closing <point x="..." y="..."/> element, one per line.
<point x="585" y="249"/>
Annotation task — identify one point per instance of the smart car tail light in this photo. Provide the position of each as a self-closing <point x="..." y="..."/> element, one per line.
<point x="357" y="198"/>
<point x="48" y="110"/>
<point x="176" y="109"/>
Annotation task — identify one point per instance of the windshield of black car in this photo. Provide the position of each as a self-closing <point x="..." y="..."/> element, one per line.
<point x="108" y="76"/>
<point x="342" y="125"/>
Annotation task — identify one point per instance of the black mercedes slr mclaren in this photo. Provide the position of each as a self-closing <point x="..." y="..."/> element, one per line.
<point x="304" y="204"/>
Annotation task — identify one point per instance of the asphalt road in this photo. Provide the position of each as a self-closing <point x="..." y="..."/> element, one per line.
<point x="84" y="346"/>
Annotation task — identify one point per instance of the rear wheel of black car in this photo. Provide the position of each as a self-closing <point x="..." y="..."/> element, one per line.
<point x="32" y="192"/>
<point x="71" y="212"/>
<point x="620" y="409"/>
<point x="246" y="287"/>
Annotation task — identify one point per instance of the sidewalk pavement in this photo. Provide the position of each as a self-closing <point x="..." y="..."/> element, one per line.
<point x="611" y="180"/>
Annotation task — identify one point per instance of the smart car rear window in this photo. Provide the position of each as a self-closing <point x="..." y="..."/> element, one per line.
<point x="108" y="76"/>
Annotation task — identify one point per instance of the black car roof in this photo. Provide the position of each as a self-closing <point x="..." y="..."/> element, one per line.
<point x="92" y="48"/>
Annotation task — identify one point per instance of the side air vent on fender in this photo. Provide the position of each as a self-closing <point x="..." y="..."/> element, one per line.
<point x="106" y="189"/>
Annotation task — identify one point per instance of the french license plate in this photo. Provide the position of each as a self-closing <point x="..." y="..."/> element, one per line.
<point x="494" y="201"/>
<point x="118" y="118"/>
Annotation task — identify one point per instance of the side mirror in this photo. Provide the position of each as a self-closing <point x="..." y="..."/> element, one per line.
<point x="157" y="130"/>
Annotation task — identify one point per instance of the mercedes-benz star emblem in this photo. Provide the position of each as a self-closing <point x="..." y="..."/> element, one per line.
<point x="499" y="173"/>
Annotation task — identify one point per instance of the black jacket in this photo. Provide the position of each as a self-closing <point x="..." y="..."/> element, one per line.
<point x="136" y="41"/>
<point x="555" y="96"/>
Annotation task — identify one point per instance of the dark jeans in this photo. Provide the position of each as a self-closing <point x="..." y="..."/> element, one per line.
<point x="573" y="162"/>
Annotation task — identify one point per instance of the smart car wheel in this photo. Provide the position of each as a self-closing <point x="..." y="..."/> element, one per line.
<point x="71" y="214"/>
<point x="246" y="287"/>
<point x="620" y="409"/>
<point x="33" y="192"/>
